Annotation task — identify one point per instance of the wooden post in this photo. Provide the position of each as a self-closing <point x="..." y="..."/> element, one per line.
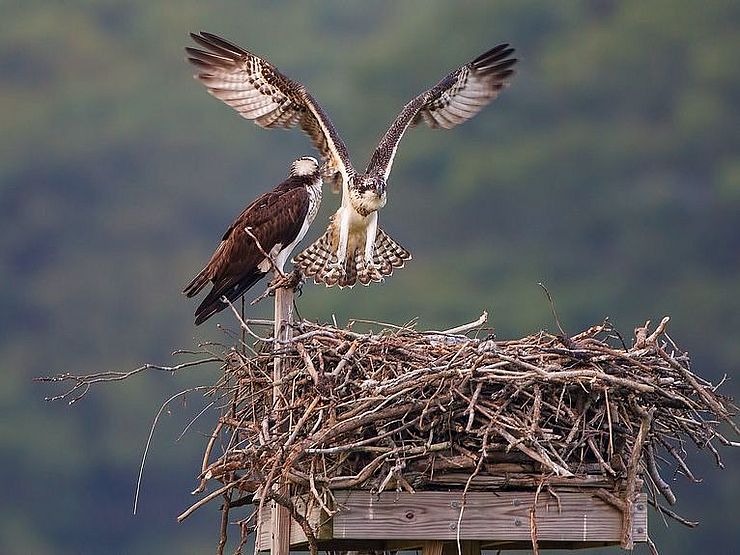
<point x="280" y="517"/>
<point x="434" y="547"/>
<point x="282" y="332"/>
<point x="470" y="547"/>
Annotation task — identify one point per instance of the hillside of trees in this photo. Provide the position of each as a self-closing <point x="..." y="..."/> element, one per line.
<point x="609" y="170"/>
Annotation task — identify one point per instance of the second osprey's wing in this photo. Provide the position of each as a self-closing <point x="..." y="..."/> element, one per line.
<point x="455" y="99"/>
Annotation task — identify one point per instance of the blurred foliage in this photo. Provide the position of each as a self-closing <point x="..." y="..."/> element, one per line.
<point x="610" y="170"/>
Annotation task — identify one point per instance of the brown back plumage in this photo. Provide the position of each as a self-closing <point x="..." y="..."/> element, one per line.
<point x="274" y="218"/>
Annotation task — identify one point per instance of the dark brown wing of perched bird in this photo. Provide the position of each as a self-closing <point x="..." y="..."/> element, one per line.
<point x="259" y="92"/>
<point x="275" y="219"/>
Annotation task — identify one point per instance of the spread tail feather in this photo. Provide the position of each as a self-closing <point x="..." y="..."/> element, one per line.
<point x="319" y="261"/>
<point x="388" y="254"/>
<point x="314" y="260"/>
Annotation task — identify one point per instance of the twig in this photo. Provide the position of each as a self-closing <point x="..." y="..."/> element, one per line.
<point x="243" y="324"/>
<point x="84" y="382"/>
<point x="464" y="328"/>
<point x="149" y="439"/>
<point x="471" y="407"/>
<point x="213" y="495"/>
<point x="273" y="265"/>
<point x="652" y="467"/>
<point x="554" y="312"/>
<point x="533" y="518"/>
<point x="675" y="516"/>
<point x="223" y="538"/>
<point x="703" y="393"/>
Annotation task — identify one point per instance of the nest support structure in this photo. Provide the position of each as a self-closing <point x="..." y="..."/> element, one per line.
<point x="453" y="435"/>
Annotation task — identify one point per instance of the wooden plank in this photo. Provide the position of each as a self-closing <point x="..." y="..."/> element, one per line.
<point x="280" y="525"/>
<point x="344" y="546"/>
<point x="517" y="480"/>
<point x="450" y="547"/>
<point x="544" y="545"/>
<point x="499" y="516"/>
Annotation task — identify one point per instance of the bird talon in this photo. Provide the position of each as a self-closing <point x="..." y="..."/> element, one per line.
<point x="287" y="281"/>
<point x="294" y="280"/>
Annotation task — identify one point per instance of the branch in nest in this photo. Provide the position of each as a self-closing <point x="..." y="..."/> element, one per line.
<point x="661" y="484"/>
<point x="675" y="516"/>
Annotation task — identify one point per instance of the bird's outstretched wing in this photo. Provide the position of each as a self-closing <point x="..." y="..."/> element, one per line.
<point x="455" y="99"/>
<point x="259" y="92"/>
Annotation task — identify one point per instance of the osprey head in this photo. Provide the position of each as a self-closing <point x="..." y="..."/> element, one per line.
<point x="367" y="192"/>
<point x="305" y="165"/>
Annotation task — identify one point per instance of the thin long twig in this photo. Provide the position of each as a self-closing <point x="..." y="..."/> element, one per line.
<point x="85" y="381"/>
<point x="151" y="434"/>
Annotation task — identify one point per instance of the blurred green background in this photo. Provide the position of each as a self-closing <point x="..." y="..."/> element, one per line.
<point x="610" y="170"/>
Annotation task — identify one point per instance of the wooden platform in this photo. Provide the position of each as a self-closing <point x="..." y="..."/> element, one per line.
<point x="365" y="521"/>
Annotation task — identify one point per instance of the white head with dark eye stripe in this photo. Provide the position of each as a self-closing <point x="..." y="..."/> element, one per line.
<point x="367" y="192"/>
<point x="305" y="165"/>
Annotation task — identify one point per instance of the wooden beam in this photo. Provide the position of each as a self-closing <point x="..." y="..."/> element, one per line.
<point x="515" y="479"/>
<point x="280" y="517"/>
<point x="500" y="516"/>
<point x="582" y="520"/>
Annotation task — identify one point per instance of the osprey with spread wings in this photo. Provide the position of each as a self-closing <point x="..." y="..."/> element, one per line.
<point x="353" y="248"/>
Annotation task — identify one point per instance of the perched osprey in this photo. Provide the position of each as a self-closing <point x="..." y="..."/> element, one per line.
<point x="278" y="220"/>
<point x="353" y="247"/>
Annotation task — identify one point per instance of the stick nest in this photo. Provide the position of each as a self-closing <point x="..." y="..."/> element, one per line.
<point x="401" y="409"/>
